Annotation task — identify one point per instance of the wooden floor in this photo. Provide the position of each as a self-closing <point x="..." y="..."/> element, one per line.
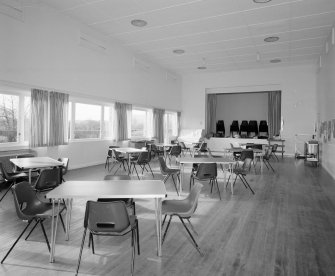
<point x="286" y="228"/>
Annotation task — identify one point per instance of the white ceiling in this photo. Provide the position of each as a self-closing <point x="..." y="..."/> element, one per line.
<point x="220" y="34"/>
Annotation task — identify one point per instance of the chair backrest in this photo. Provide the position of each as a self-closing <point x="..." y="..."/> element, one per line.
<point x="207" y="171"/>
<point x="48" y="179"/>
<point x="117" y="155"/>
<point x="267" y="153"/>
<point x="65" y="166"/>
<point x="247" y="154"/>
<point x="144" y="157"/>
<point x="106" y="217"/>
<point x="175" y="150"/>
<point x="182" y="144"/>
<point x="4" y="173"/>
<point x="274" y="147"/>
<point x="247" y="163"/>
<point x="25" y="200"/>
<point x="116" y="177"/>
<point x="193" y="197"/>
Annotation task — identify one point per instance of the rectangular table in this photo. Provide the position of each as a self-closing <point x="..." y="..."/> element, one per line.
<point x="31" y="163"/>
<point x="200" y="160"/>
<point x="129" y="152"/>
<point x="91" y="190"/>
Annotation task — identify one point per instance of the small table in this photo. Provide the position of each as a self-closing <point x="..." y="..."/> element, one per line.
<point x="31" y="163"/>
<point x="129" y="152"/>
<point x="199" y="160"/>
<point x="69" y="190"/>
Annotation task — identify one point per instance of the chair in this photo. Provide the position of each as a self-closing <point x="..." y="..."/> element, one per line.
<point x="174" y="151"/>
<point x="220" y="129"/>
<point x="241" y="172"/>
<point x="143" y="160"/>
<point x="167" y="172"/>
<point x="29" y="208"/>
<point x="274" y="150"/>
<point x="248" y="153"/>
<point x="65" y="166"/>
<point x="48" y="179"/>
<point x="263" y="129"/>
<point x="206" y="171"/>
<point x="253" y="128"/>
<point x="200" y="148"/>
<point x="128" y="201"/>
<point x="234" y="128"/>
<point x="109" y="219"/>
<point x="266" y="158"/>
<point x="119" y="159"/>
<point x="244" y="128"/>
<point x="11" y="178"/>
<point x="184" y="149"/>
<point x="156" y="151"/>
<point x="183" y="209"/>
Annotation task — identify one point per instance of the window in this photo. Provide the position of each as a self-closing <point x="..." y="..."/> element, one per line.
<point x="107" y="127"/>
<point x="138" y="123"/>
<point x="171" y="124"/>
<point x="87" y="118"/>
<point x="9" y="107"/>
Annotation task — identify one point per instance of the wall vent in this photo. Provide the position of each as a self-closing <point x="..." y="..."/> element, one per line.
<point x="12" y="9"/>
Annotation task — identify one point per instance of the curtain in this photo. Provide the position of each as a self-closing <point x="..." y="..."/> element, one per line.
<point x="123" y="121"/>
<point x="58" y="131"/>
<point x="39" y="118"/>
<point x="178" y="123"/>
<point x="211" y="113"/>
<point x="274" y="110"/>
<point x="158" y="124"/>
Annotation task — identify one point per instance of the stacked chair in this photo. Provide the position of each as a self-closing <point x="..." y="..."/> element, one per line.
<point x="234" y="128"/>
<point x="263" y="129"/>
<point x="220" y="129"/>
<point x="244" y="129"/>
<point x="253" y="128"/>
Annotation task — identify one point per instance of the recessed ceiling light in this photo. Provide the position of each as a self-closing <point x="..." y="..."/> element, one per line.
<point x="271" y="39"/>
<point x="261" y="1"/>
<point x="276" y="60"/>
<point x="178" y="51"/>
<point x="139" y="23"/>
<point x="202" y="67"/>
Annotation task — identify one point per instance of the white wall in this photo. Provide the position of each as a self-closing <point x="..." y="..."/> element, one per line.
<point x="325" y="105"/>
<point x="297" y="83"/>
<point x="43" y="51"/>
<point x="241" y="106"/>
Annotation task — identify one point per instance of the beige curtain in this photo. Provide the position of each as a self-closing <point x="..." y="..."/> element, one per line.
<point x="274" y="113"/>
<point x="211" y="113"/>
<point x="123" y="120"/>
<point x="39" y="118"/>
<point x="158" y="124"/>
<point x="59" y="106"/>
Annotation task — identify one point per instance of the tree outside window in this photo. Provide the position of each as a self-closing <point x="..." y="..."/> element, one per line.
<point x="9" y="106"/>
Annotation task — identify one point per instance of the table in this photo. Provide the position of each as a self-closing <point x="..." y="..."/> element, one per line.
<point x="219" y="160"/>
<point x="70" y="190"/>
<point x="129" y="152"/>
<point x="35" y="163"/>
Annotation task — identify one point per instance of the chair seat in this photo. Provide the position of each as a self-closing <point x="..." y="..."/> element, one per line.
<point x="172" y="171"/>
<point x="40" y="209"/>
<point x="180" y="207"/>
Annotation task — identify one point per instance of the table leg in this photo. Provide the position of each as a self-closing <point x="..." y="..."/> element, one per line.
<point x="68" y="217"/>
<point x="158" y="208"/>
<point x="29" y="175"/>
<point x="181" y="177"/>
<point x="54" y="229"/>
<point x="230" y="179"/>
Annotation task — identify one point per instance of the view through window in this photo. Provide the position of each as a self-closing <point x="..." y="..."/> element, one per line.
<point x="87" y="121"/>
<point x="138" y="123"/>
<point x="9" y="106"/>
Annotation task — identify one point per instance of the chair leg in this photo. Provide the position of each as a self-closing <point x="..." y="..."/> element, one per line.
<point x="192" y="227"/>
<point x="175" y="184"/>
<point x="136" y="172"/>
<point x="4" y="258"/>
<point x="240" y="177"/>
<point x="164" y="220"/>
<point x="132" y="251"/>
<point x="138" y="238"/>
<point x="45" y="234"/>
<point x="246" y="182"/>
<point x="10" y="186"/>
<point x="32" y="229"/>
<point x="62" y="221"/>
<point x="217" y="185"/>
<point x="81" y="250"/>
<point x="188" y="231"/>
<point x="151" y="171"/>
<point x="166" y="229"/>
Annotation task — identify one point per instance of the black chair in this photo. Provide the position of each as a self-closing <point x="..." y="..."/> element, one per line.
<point x="65" y="166"/>
<point x="200" y="148"/>
<point x="174" y="151"/>
<point x="253" y="128"/>
<point x="206" y="171"/>
<point x="183" y="209"/>
<point x="184" y="148"/>
<point x="263" y="129"/>
<point x="274" y="150"/>
<point x="11" y="178"/>
<point x="29" y="208"/>
<point x="109" y="219"/>
<point x="143" y="161"/>
<point x="128" y="201"/>
<point x="220" y="129"/>
<point x="241" y="172"/>
<point x="266" y="158"/>
<point x="48" y="179"/>
<point x="157" y="151"/>
<point x="248" y="153"/>
<point x="244" y="128"/>
<point x="234" y="128"/>
<point x="120" y="160"/>
<point x="167" y="172"/>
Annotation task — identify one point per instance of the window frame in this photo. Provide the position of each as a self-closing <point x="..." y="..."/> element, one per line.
<point x="146" y="127"/>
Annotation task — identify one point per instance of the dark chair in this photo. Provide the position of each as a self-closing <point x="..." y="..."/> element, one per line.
<point x="263" y="129"/>
<point x="274" y="150"/>
<point x="200" y="148"/>
<point x="65" y="166"/>
<point x="183" y="209"/>
<point x="241" y="172"/>
<point x="205" y="172"/>
<point x="244" y="128"/>
<point x="220" y="129"/>
<point x="184" y="149"/>
<point x="109" y="157"/>
<point x="120" y="160"/>
<point x="174" y="151"/>
<point x="29" y="208"/>
<point x="248" y="153"/>
<point x="167" y="172"/>
<point x="11" y="178"/>
<point x="253" y="128"/>
<point x="234" y="128"/>
<point x="109" y="219"/>
<point x="48" y="180"/>
<point x="143" y="161"/>
<point x="156" y="151"/>
<point x="128" y="201"/>
<point x="266" y="158"/>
